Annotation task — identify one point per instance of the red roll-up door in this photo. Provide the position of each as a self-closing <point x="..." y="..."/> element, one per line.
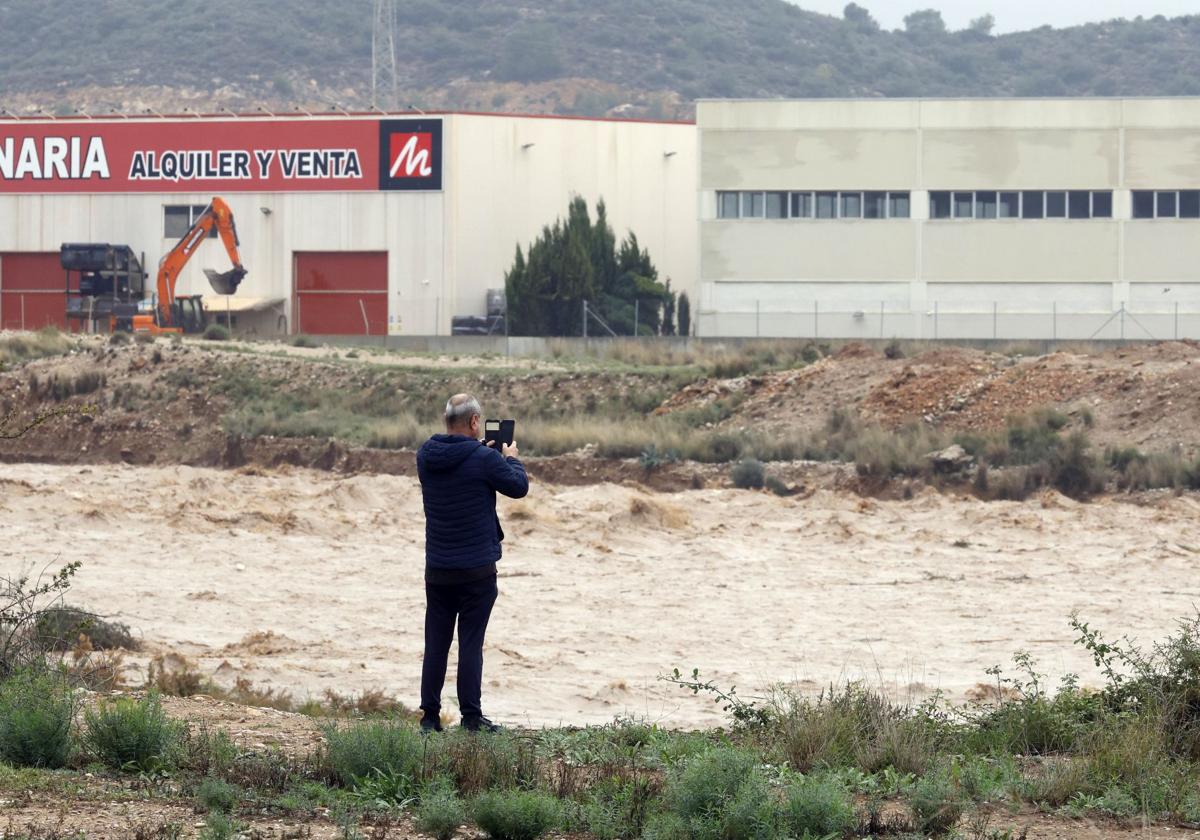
<point x="32" y="291"/>
<point x="341" y="293"/>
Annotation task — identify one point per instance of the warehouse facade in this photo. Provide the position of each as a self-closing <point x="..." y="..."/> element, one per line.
<point x="1053" y="218"/>
<point x="349" y="224"/>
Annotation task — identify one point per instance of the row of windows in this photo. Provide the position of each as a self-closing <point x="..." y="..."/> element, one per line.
<point x="1025" y="204"/>
<point x="1166" y="204"/>
<point x="832" y="204"/>
<point x="954" y="204"/>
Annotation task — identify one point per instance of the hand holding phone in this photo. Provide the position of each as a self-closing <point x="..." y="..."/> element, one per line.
<point x="499" y="434"/>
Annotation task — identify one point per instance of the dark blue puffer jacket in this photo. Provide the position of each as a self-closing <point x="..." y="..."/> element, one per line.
<point x="459" y="480"/>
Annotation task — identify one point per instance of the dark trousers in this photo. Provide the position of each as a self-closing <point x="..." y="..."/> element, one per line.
<point x="470" y="604"/>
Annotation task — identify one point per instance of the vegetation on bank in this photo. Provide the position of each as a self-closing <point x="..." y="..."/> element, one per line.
<point x="697" y="49"/>
<point x="850" y="761"/>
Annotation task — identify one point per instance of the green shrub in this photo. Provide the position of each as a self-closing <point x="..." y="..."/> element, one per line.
<point x="215" y="794"/>
<point x="616" y="807"/>
<point x="357" y="752"/>
<point x="484" y="760"/>
<point x="516" y="814"/>
<point x="216" y="332"/>
<point x="119" y="337"/>
<point x="302" y="340"/>
<point x="1056" y="782"/>
<point x="710" y="780"/>
<point x="36" y="708"/>
<point x="748" y="475"/>
<point x="441" y="812"/>
<point x="219" y="826"/>
<point x="936" y="802"/>
<point x="777" y="486"/>
<point x="751" y="814"/>
<point x="59" y="628"/>
<point x="128" y="734"/>
<point x="818" y="807"/>
<point x="667" y="826"/>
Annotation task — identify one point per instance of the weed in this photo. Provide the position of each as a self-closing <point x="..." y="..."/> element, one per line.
<point x="936" y="802"/>
<point x="215" y="794"/>
<point x="617" y="806"/>
<point x="360" y="751"/>
<point x="36" y="708"/>
<point x="119" y="338"/>
<point x="748" y="475"/>
<point x="777" y="485"/>
<point x="59" y="628"/>
<point x="133" y="735"/>
<point x="219" y="826"/>
<point x="516" y="814"/>
<point x="302" y="340"/>
<point x="216" y="332"/>
<point x="818" y="807"/>
<point x="441" y="812"/>
<point x="39" y="345"/>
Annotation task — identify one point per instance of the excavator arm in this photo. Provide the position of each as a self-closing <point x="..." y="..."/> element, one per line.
<point x="217" y="215"/>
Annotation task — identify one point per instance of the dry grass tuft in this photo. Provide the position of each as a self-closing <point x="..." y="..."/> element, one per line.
<point x="643" y="509"/>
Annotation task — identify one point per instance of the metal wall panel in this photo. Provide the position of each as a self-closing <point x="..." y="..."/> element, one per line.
<point x="32" y="291"/>
<point x="341" y="293"/>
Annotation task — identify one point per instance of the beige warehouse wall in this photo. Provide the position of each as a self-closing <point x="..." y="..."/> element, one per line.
<point x="507" y="177"/>
<point x="1163" y="250"/>
<point x="816" y="160"/>
<point x="817" y="250"/>
<point x="1024" y="159"/>
<point x="1162" y="158"/>
<point x="1021" y="251"/>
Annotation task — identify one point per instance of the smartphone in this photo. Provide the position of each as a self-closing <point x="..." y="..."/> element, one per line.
<point x="501" y="431"/>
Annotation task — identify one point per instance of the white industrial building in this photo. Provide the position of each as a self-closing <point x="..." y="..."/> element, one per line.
<point x="349" y="224"/>
<point x="1006" y="218"/>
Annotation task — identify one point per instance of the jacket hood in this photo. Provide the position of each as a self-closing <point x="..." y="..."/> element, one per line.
<point x="442" y="453"/>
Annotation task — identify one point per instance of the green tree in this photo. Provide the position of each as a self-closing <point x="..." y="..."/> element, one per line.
<point x="531" y="54"/>
<point x="685" y="314"/>
<point x="859" y="18"/>
<point x="925" y="24"/>
<point x="575" y="260"/>
<point x="983" y="25"/>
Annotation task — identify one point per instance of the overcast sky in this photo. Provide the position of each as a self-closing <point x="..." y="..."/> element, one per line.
<point x="1012" y="15"/>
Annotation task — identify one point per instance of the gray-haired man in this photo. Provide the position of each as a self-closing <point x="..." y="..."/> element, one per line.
<point x="459" y="481"/>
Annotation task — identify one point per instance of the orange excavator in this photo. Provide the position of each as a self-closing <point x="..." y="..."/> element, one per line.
<point x="186" y="314"/>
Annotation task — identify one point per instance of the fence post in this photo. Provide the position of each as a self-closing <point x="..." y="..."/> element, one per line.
<point x="1054" y="321"/>
<point x="816" y="321"/>
<point x="758" y="319"/>
<point x="935" y="320"/>
<point x="585" y="319"/>
<point x="636" y="301"/>
<point x="1176" y="320"/>
<point x="995" y="316"/>
<point x="881" y="319"/>
<point x="1122" y="320"/>
<point x="366" y="324"/>
<point x="22" y="313"/>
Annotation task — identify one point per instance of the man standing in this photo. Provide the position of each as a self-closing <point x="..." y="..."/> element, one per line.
<point x="460" y="477"/>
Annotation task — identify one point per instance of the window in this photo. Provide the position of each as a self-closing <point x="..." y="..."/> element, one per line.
<point x="752" y="205"/>
<point x="985" y="205"/>
<point x="179" y="218"/>
<point x="1143" y="204"/>
<point x="802" y="205"/>
<point x="1102" y="205"/>
<point x="1079" y="204"/>
<point x="1033" y="204"/>
<point x="964" y="205"/>
<point x="727" y="205"/>
<point x="899" y="205"/>
<point x="1009" y="205"/>
<point x="826" y="205"/>
<point x="874" y="205"/>
<point x="1166" y="205"/>
<point x="1056" y="205"/>
<point x="939" y="205"/>
<point x="850" y="205"/>
<point x="1189" y="204"/>
<point x="777" y="207"/>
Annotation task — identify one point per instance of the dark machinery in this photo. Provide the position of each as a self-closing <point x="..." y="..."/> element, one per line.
<point x="109" y="287"/>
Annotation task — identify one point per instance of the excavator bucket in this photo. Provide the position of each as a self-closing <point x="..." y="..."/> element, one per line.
<point x="227" y="283"/>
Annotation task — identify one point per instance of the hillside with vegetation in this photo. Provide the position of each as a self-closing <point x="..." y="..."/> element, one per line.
<point x="563" y="56"/>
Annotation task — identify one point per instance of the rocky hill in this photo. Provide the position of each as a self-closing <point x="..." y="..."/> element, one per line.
<point x="646" y="57"/>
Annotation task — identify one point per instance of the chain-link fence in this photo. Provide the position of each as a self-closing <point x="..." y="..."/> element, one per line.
<point x="1055" y="322"/>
